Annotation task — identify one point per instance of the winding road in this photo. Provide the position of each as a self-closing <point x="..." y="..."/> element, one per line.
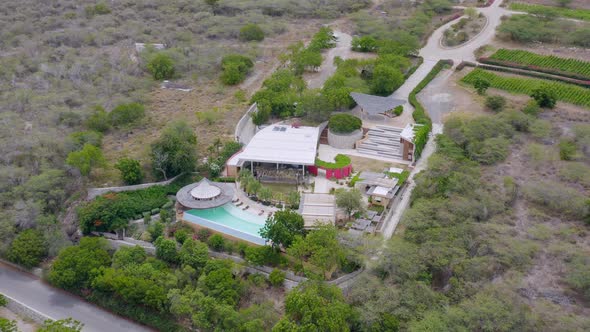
<point x="432" y="52"/>
<point x="58" y="304"/>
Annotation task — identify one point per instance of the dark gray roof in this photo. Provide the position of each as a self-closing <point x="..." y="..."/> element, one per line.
<point x="375" y="104"/>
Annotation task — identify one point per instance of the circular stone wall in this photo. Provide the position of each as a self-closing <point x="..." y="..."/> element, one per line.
<point x="344" y="141"/>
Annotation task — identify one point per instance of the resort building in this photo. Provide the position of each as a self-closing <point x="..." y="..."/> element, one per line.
<point x="378" y="186"/>
<point x="277" y="153"/>
<point x="207" y="204"/>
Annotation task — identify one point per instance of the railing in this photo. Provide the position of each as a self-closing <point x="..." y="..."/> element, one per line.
<point x="223" y="229"/>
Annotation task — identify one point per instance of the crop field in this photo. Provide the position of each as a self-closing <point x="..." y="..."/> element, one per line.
<point x="551" y="62"/>
<point x="565" y="92"/>
<point x="578" y="14"/>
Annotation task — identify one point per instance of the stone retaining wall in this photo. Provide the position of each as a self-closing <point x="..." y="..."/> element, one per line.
<point x="94" y="192"/>
<point x="344" y="141"/>
<point x="24" y="310"/>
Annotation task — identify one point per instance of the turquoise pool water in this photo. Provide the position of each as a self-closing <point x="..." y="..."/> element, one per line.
<point x="231" y="219"/>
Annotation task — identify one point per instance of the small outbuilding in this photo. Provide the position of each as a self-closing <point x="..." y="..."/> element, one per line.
<point x="378" y="186"/>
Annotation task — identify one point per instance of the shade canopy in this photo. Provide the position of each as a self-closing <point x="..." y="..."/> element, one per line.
<point x="374" y="105"/>
<point x="204" y="190"/>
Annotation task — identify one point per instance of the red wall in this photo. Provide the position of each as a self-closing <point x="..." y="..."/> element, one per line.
<point x="337" y="173"/>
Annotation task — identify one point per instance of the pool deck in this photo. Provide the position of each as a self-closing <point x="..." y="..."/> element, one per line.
<point x="255" y="207"/>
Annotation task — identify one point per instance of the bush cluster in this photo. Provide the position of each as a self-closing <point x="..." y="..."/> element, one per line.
<point x="235" y="67"/>
<point x="344" y="123"/>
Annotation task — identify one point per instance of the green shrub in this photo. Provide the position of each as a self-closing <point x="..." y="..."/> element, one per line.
<point x="398" y="110"/>
<point x="364" y="44"/>
<point x="130" y="169"/>
<point x="495" y="103"/>
<point x="344" y="123"/>
<point x="234" y="68"/>
<point x="181" y="235"/>
<point x="567" y="149"/>
<point x="532" y="108"/>
<point x="257" y="279"/>
<point x="264" y="255"/>
<point x="100" y="8"/>
<point x="166" y="250"/>
<point x="99" y="120"/>
<point x="28" y="248"/>
<point x="125" y="114"/>
<point x="558" y="198"/>
<point x="3" y="301"/>
<point x="545" y="96"/>
<point x="203" y="235"/>
<point x="76" y="140"/>
<point x="341" y="160"/>
<point x="161" y="66"/>
<point x="276" y="278"/>
<point x="216" y="242"/>
<point x="251" y="32"/>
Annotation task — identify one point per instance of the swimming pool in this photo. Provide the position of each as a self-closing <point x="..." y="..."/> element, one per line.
<point x="230" y="220"/>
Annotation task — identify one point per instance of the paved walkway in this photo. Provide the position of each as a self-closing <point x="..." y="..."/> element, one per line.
<point x="58" y="304"/>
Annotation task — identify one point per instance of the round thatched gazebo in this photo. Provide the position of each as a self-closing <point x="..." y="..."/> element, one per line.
<point x="205" y="194"/>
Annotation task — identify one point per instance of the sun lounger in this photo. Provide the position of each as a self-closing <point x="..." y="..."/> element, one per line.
<point x="261" y="212"/>
<point x="240" y="204"/>
<point x="246" y="208"/>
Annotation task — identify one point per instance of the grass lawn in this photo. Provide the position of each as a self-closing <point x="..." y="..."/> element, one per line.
<point x="281" y="188"/>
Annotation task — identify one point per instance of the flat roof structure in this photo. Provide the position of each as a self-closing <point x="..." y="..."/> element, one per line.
<point x="318" y="208"/>
<point x="374" y="105"/>
<point x="281" y="144"/>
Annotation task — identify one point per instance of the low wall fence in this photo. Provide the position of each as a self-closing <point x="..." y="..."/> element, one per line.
<point x="24" y="310"/>
<point x="95" y="192"/>
<point x="245" y="129"/>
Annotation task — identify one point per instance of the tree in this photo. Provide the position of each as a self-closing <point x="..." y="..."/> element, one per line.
<point x="127" y="256"/>
<point x="194" y="253"/>
<point x="567" y="149"/>
<point x="130" y="169"/>
<point x="28" y="248"/>
<point x="282" y="227"/>
<point x="62" y="325"/>
<point x="471" y="13"/>
<point x="251" y="32"/>
<point x="166" y="250"/>
<point x="316" y="306"/>
<point x="161" y="66"/>
<point x="125" y="114"/>
<point x="386" y="80"/>
<point x="495" y="103"/>
<point x="481" y="85"/>
<point x="72" y="268"/>
<point x="350" y="201"/>
<point x="175" y="151"/>
<point x="235" y="67"/>
<point x="545" y="96"/>
<point x="324" y="249"/>
<point x="84" y="160"/>
<point x="276" y="277"/>
<point x="216" y="242"/>
<point x="314" y="106"/>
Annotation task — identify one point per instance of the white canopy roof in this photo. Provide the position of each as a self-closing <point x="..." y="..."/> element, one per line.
<point x="280" y="144"/>
<point x="204" y="190"/>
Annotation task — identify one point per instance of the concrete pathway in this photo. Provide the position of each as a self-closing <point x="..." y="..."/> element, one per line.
<point x="59" y="304"/>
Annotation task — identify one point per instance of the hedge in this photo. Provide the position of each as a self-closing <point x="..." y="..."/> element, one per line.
<point x="344" y="123"/>
<point x="567" y="75"/>
<point x="340" y="161"/>
<point x="420" y="115"/>
<point x="156" y="320"/>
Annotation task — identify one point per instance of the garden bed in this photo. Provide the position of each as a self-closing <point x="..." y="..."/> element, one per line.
<point x="464" y="30"/>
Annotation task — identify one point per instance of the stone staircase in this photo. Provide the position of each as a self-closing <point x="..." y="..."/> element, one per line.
<point x="382" y="141"/>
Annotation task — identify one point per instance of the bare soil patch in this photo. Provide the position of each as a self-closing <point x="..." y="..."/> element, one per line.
<point x="361" y="164"/>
